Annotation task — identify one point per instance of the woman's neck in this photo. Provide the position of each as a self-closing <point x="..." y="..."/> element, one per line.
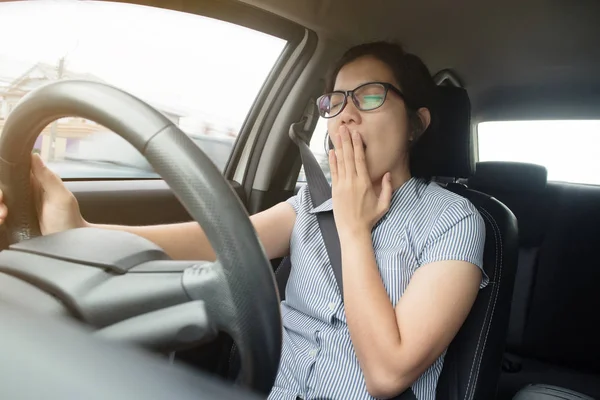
<point x="399" y="178"/>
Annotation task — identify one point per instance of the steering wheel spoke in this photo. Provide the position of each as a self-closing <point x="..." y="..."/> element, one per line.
<point x="207" y="281"/>
<point x="169" y="329"/>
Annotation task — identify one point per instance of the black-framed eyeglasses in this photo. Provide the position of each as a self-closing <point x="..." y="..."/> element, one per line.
<point x="367" y="97"/>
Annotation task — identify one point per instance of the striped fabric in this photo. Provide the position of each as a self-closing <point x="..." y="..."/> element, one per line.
<point x="425" y="223"/>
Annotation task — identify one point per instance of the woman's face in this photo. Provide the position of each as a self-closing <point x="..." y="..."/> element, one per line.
<point x="385" y="130"/>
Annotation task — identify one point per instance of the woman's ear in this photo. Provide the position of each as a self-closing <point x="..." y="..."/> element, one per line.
<point x="425" y="117"/>
<point x="419" y="124"/>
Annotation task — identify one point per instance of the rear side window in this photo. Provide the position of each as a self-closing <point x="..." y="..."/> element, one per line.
<point x="202" y="73"/>
<point x="568" y="149"/>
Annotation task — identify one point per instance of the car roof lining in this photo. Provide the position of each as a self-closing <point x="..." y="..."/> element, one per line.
<point x="504" y="52"/>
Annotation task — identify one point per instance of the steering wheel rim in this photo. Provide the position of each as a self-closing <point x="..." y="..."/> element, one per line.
<point x="252" y="316"/>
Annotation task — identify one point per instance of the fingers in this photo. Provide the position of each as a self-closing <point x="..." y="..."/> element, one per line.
<point x="339" y="155"/>
<point x="385" y="197"/>
<point x="333" y="167"/>
<point x="3" y="208"/>
<point x="48" y="181"/>
<point x="37" y="193"/>
<point x="349" y="154"/>
<point x="348" y="151"/>
<point x="344" y="153"/>
<point x="359" y="156"/>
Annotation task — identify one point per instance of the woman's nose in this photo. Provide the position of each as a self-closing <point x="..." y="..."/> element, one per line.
<point x="350" y="113"/>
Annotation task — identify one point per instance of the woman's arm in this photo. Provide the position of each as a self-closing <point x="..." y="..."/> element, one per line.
<point x="394" y="346"/>
<point x="187" y="241"/>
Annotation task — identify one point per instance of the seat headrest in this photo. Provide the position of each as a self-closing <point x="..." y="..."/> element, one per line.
<point x="508" y="176"/>
<point x="445" y="149"/>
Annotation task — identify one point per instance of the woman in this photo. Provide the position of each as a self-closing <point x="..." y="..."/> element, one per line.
<point x="411" y="251"/>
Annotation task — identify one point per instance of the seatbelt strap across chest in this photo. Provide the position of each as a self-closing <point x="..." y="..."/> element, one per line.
<point x="320" y="191"/>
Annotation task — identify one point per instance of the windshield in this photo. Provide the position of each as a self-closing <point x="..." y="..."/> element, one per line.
<point x="202" y="73"/>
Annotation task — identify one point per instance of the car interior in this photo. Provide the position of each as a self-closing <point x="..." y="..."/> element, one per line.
<point x="99" y="314"/>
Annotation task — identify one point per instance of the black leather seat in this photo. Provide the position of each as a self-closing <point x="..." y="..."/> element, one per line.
<point x="473" y="361"/>
<point x="553" y="336"/>
<point x="548" y="392"/>
<point x="523" y="188"/>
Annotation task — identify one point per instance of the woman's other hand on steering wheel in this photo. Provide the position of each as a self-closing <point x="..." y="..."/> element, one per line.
<point x="57" y="208"/>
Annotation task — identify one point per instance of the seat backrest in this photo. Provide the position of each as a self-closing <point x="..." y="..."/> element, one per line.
<point x="564" y="312"/>
<point x="472" y="365"/>
<point x="522" y="187"/>
<point x="473" y="361"/>
<point x="554" y="315"/>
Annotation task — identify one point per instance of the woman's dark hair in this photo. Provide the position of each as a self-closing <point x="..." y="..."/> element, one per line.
<point x="413" y="77"/>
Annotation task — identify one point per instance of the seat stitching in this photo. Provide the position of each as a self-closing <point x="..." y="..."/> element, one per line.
<point x="486" y="314"/>
<point x="279" y="267"/>
<point x="486" y="215"/>
<point x="497" y="293"/>
<point x="496" y="283"/>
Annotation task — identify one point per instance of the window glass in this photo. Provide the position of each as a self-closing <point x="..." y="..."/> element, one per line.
<point x="567" y="148"/>
<point x="317" y="145"/>
<point x="203" y="74"/>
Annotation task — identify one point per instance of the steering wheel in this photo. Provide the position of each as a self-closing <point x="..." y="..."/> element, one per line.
<point x="121" y="286"/>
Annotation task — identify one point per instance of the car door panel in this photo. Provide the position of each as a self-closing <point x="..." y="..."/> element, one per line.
<point x="131" y="202"/>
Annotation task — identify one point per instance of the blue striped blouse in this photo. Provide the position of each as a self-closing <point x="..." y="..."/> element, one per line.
<point x="425" y="223"/>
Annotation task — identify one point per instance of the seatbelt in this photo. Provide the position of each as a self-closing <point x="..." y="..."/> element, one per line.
<point x="320" y="191"/>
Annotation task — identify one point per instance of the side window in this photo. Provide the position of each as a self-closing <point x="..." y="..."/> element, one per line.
<point x="318" y="147"/>
<point x="568" y="149"/>
<point x="203" y="74"/>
